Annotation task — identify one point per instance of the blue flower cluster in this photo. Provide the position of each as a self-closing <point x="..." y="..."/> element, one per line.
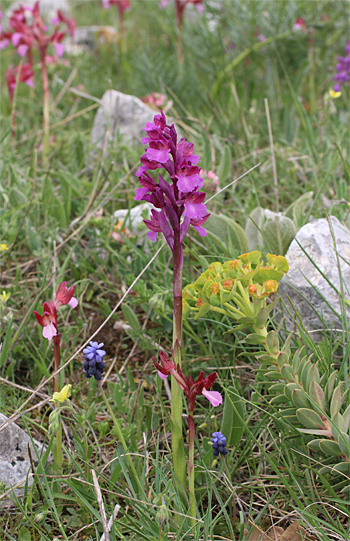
<point x="219" y="443"/>
<point x="94" y="365"/>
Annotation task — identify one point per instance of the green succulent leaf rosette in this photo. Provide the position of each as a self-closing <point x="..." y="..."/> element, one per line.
<point x="314" y="404"/>
<point x="238" y="288"/>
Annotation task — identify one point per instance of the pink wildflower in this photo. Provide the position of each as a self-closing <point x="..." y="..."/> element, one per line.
<point x="49" y="318"/>
<point x="26" y="76"/>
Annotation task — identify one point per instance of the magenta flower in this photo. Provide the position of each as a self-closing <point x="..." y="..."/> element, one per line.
<point x="343" y="69"/>
<point x="26" y="36"/>
<point x="300" y="26"/>
<point x="190" y="388"/>
<point x="122" y="5"/>
<point x="49" y="318"/>
<point x="155" y="99"/>
<point x="180" y="203"/>
<point x="65" y="296"/>
<point x="26" y="76"/>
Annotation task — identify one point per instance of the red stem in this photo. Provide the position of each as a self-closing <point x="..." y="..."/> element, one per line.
<point x="57" y="356"/>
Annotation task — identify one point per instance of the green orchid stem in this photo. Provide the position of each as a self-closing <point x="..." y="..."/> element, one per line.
<point x="192" y="495"/>
<point x="178" y="447"/>
<point x="58" y="455"/>
<point x="57" y="451"/>
<point x="120" y="435"/>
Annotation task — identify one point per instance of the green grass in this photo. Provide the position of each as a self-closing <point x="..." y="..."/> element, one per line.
<point x="270" y="474"/>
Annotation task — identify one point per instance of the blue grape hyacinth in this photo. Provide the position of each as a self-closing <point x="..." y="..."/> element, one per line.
<point x="94" y="365"/>
<point x="219" y="443"/>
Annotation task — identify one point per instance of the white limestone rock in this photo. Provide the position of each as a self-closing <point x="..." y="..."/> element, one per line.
<point x="120" y="113"/>
<point x="86" y="38"/>
<point x="14" y="455"/>
<point x="304" y="284"/>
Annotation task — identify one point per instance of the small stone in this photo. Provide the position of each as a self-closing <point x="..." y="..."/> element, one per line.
<point x="14" y="456"/>
<point x="120" y="113"/>
<point x="88" y="37"/>
<point x="135" y="215"/>
<point x="305" y="280"/>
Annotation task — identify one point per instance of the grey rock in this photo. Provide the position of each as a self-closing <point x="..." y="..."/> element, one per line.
<point x="14" y="455"/>
<point x="48" y="8"/>
<point x="135" y="218"/>
<point x="305" y="280"/>
<point x="88" y="37"/>
<point x="120" y="113"/>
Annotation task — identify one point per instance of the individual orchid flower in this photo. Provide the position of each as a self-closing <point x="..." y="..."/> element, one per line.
<point x="26" y="76"/>
<point x="300" y="26"/>
<point x="65" y="296"/>
<point x="48" y="320"/>
<point x="155" y="100"/>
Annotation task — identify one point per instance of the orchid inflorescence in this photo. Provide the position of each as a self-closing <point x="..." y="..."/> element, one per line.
<point x="25" y="36"/>
<point x="343" y="69"/>
<point x="31" y="33"/>
<point x="49" y="318"/>
<point x="179" y="200"/>
<point x="190" y="388"/>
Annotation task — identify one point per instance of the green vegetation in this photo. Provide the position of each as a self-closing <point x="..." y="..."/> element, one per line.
<point x="53" y="226"/>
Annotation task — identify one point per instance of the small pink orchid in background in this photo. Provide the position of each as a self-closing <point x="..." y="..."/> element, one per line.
<point x="29" y="35"/>
<point x="180" y="6"/>
<point x="70" y="23"/>
<point x="154" y="100"/>
<point x="211" y="180"/>
<point x="122" y="6"/>
<point x="49" y="318"/>
<point x="300" y="26"/>
<point x="26" y="76"/>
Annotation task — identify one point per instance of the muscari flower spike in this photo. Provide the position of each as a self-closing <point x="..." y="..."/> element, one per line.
<point x="94" y="365"/>
<point x="219" y="443"/>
